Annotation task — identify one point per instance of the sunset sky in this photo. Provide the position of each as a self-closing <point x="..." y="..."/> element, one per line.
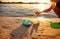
<point x="23" y="0"/>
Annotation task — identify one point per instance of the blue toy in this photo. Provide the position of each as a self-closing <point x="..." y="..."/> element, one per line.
<point x="27" y="22"/>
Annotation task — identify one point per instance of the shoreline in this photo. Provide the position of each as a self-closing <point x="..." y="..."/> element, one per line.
<point x="28" y="15"/>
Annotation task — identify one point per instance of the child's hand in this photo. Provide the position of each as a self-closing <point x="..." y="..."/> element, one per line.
<point x="37" y="13"/>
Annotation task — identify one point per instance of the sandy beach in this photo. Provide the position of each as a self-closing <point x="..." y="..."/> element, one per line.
<point x="12" y="28"/>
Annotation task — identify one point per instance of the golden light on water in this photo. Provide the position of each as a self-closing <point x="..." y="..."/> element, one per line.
<point x="42" y="7"/>
<point x="39" y="18"/>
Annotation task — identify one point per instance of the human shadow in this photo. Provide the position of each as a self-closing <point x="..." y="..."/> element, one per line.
<point x="20" y="33"/>
<point x="35" y="27"/>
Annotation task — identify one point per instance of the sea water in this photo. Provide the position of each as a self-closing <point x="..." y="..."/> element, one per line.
<point x="23" y="10"/>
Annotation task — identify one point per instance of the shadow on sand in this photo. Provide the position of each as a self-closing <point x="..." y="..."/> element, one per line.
<point x="22" y="32"/>
<point x="34" y="28"/>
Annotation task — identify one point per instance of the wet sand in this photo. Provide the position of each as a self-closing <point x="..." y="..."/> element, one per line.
<point x="12" y="28"/>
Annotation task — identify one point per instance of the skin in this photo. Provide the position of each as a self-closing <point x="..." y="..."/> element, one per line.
<point x="57" y="9"/>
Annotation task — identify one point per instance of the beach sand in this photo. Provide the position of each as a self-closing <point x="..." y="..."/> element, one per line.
<point x="12" y="28"/>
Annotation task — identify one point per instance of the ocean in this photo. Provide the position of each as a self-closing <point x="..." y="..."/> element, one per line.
<point x="22" y="10"/>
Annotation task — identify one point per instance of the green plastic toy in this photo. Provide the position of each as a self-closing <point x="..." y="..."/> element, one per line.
<point x="55" y="25"/>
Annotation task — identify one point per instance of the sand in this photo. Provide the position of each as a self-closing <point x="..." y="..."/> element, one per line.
<point x="12" y="28"/>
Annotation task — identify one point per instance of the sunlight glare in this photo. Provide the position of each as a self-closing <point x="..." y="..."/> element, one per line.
<point x="41" y="18"/>
<point x="42" y="7"/>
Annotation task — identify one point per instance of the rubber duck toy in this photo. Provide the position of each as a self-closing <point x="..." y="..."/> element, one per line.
<point x="36" y="22"/>
<point x="27" y="22"/>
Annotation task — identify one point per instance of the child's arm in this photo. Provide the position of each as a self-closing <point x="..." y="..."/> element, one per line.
<point x="57" y="9"/>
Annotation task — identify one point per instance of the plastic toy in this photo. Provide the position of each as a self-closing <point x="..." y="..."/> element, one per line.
<point x="55" y="25"/>
<point x="27" y="22"/>
<point x="36" y="22"/>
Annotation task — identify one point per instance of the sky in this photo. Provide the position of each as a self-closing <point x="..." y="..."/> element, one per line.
<point x="23" y="0"/>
